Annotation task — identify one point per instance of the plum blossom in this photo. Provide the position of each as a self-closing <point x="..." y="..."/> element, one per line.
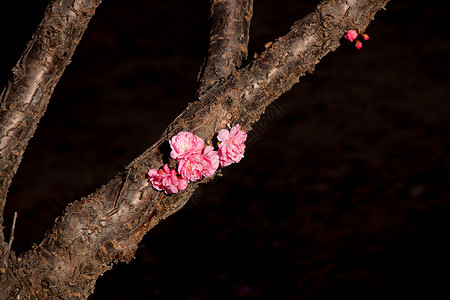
<point x="210" y="161"/>
<point x="351" y="35"/>
<point x="166" y="180"/>
<point x="185" y="144"/>
<point x="231" y="146"/>
<point x="196" y="161"/>
<point x="194" y="166"/>
<point x="191" y="167"/>
<point x="358" y="45"/>
<point x="365" y="36"/>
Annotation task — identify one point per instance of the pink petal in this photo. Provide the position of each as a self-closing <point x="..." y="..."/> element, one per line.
<point x="182" y="183"/>
<point x="152" y="173"/>
<point x="235" y="130"/>
<point x="166" y="169"/>
<point x="223" y="135"/>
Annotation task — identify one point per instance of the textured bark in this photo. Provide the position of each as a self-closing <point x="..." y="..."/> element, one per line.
<point x="228" y="40"/>
<point x="106" y="227"/>
<point x="25" y="98"/>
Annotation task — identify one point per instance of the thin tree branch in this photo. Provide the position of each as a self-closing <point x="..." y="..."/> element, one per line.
<point x="25" y="98"/>
<point x="228" y="40"/>
<point x="13" y="227"/>
<point x="88" y="238"/>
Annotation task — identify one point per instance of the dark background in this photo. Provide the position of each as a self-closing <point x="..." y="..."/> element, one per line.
<point x="344" y="191"/>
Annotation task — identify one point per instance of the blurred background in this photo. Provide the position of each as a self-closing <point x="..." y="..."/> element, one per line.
<point x="344" y="191"/>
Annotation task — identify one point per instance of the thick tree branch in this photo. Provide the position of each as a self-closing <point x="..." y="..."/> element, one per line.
<point x="107" y="226"/>
<point x="25" y="98"/>
<point x="228" y="44"/>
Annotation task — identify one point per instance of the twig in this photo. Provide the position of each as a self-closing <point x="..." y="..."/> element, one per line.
<point x="11" y="237"/>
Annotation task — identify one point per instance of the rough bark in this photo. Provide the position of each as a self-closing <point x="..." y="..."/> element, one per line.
<point x="25" y="98"/>
<point x="228" y="40"/>
<point x="106" y="227"/>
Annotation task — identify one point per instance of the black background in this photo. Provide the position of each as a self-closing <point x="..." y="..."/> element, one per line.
<point x="344" y="190"/>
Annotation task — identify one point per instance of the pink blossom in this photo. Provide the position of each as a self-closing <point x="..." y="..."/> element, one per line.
<point x="191" y="167"/>
<point x="351" y="35"/>
<point x="210" y="161"/>
<point x="358" y="45"/>
<point x="231" y="147"/>
<point x="185" y="144"/>
<point x="166" y="180"/>
<point x="365" y="36"/>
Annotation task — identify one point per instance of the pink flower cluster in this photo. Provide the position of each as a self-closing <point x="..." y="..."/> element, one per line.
<point x="195" y="160"/>
<point x="352" y="35"/>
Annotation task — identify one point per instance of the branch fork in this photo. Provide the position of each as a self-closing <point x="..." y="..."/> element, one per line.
<point x="107" y="226"/>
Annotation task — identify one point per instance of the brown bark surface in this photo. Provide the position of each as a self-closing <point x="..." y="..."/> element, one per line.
<point x="25" y="98"/>
<point x="107" y="226"/>
<point x="228" y="40"/>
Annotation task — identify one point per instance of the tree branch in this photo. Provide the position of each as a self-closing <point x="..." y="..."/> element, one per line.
<point x="107" y="226"/>
<point x="228" y="40"/>
<point x="25" y="98"/>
